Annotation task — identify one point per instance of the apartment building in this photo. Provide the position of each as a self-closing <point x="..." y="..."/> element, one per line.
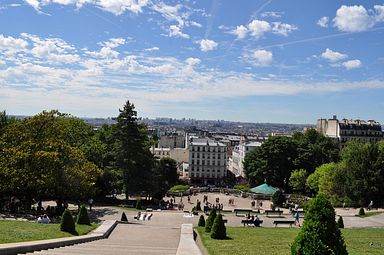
<point x="207" y="161"/>
<point x="345" y="130"/>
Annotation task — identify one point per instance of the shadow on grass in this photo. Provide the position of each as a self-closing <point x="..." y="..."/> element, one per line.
<point x="74" y="233"/>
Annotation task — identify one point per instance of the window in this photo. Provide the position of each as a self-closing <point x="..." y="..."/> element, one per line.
<point x="198" y="148"/>
<point x="193" y="155"/>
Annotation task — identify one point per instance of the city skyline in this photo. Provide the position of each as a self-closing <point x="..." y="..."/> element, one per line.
<point x="258" y="61"/>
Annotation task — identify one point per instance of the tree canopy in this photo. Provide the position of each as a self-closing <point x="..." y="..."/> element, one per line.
<point x="275" y="159"/>
<point x="37" y="160"/>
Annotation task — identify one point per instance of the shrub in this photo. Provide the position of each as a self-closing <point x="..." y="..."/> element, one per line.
<point x="243" y="187"/>
<point x="124" y="217"/>
<point x="179" y="188"/>
<point x="201" y="221"/>
<point x="278" y="198"/>
<point x="340" y="222"/>
<point x="67" y="223"/>
<point x="219" y="230"/>
<point x="361" y="211"/>
<point x="198" y="206"/>
<point x="83" y="217"/>
<point x="319" y="234"/>
<point x="138" y="204"/>
<point x="209" y="221"/>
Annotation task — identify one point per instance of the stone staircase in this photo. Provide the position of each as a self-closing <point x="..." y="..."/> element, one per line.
<point x="126" y="239"/>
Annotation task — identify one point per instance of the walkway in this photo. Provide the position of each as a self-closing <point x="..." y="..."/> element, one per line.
<point x="160" y="235"/>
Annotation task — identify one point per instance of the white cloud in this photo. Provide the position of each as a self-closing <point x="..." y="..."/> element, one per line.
<point x="207" y="45"/>
<point x="12" y="44"/>
<point x="175" y="31"/>
<point x="195" y="24"/>
<point x="333" y="56"/>
<point x="53" y="50"/>
<point x="262" y="57"/>
<point x="169" y="12"/>
<point x="113" y="42"/>
<point x="258" y="27"/>
<point x="116" y="7"/>
<point x="152" y="49"/>
<point x="271" y="14"/>
<point x="379" y="16"/>
<point x="352" y="64"/>
<point x="192" y="61"/>
<point x="353" y="19"/>
<point x="283" y="28"/>
<point x="240" y="31"/>
<point x="323" y="21"/>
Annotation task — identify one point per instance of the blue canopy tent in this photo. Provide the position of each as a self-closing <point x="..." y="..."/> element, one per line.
<point x="264" y="189"/>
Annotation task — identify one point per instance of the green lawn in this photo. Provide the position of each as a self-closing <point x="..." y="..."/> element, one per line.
<point x="277" y="241"/>
<point x="21" y="231"/>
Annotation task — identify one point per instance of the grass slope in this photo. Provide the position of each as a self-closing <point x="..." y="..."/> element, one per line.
<point x="276" y="241"/>
<point x="21" y="231"/>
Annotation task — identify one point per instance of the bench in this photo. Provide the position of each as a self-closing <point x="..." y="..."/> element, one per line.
<point x="287" y="222"/>
<point x="253" y="222"/>
<point x="246" y="211"/>
<point x="271" y="212"/>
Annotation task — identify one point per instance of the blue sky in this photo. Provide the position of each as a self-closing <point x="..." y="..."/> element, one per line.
<point x="258" y="61"/>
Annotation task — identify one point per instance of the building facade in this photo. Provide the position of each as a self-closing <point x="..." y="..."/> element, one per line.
<point x="207" y="162"/>
<point x="345" y="130"/>
<point x="236" y="162"/>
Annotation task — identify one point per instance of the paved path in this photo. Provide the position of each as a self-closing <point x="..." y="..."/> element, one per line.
<point x="161" y="234"/>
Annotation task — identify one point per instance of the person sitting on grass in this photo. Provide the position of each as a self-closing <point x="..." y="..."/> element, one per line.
<point x="44" y="219"/>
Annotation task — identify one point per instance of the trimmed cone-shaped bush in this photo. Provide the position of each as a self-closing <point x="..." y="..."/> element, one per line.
<point x="67" y="223"/>
<point x="340" y="222"/>
<point x="138" y="204"/>
<point x="361" y="211"/>
<point x="219" y="230"/>
<point x="124" y="217"/>
<point x="83" y="217"/>
<point x="198" y="206"/>
<point x="319" y="234"/>
<point x="201" y="221"/>
<point x="209" y="221"/>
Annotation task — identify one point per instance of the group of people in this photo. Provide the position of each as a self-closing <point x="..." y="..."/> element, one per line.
<point x="143" y="216"/>
<point x="43" y="219"/>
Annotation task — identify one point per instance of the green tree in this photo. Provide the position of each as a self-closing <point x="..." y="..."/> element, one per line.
<point x="201" y="221"/>
<point x="298" y="179"/>
<point x="166" y="176"/>
<point x="219" y="230"/>
<point x="273" y="161"/>
<point x="278" y="198"/>
<point x="83" y="217"/>
<point x="210" y="219"/>
<point x="133" y="157"/>
<point x="5" y="120"/>
<point x="124" y="217"/>
<point x="314" y="180"/>
<point x="314" y="150"/>
<point x="67" y="223"/>
<point x="37" y="162"/>
<point x="319" y="234"/>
